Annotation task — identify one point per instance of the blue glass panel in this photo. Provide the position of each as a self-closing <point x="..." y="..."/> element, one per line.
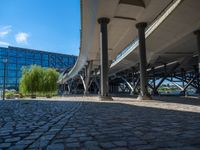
<point x="10" y="80"/>
<point x="11" y="66"/>
<point x="29" y="61"/>
<point x="12" y="52"/>
<point x="3" y="51"/>
<point x="45" y="63"/>
<point x="37" y="55"/>
<point x="21" y="53"/>
<point x="19" y="73"/>
<point x="19" y="66"/>
<point x="11" y="73"/>
<point x="38" y="62"/>
<point x="66" y="60"/>
<point x="1" y="72"/>
<point x="71" y="60"/>
<point x="21" y="60"/>
<point x="45" y="56"/>
<point x="12" y="59"/>
<point x="1" y="65"/>
<point x="30" y="55"/>
<point x="1" y="80"/>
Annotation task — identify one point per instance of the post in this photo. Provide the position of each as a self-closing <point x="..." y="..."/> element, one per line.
<point x="144" y="95"/>
<point x="104" y="58"/>
<point x="4" y="77"/>
<point x="197" y="33"/>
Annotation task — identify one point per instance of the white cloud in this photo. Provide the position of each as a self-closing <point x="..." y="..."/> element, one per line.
<point x="4" y="43"/>
<point x="5" y="30"/>
<point x="22" y="37"/>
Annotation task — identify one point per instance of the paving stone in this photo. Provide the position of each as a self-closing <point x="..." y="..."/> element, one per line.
<point x="55" y="147"/>
<point x="99" y="125"/>
<point x="73" y="145"/>
<point x="90" y="143"/>
<point x="86" y="138"/>
<point x="120" y="143"/>
<point x="107" y="145"/>
<point x="14" y="139"/>
<point x="17" y="147"/>
<point x="119" y="148"/>
<point x="92" y="147"/>
<point x="5" y="145"/>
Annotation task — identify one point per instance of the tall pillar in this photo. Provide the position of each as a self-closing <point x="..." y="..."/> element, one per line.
<point x="104" y="58"/>
<point x="87" y="76"/>
<point x="197" y="33"/>
<point x="144" y="95"/>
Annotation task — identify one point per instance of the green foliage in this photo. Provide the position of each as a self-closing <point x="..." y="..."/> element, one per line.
<point x="10" y="95"/>
<point x="38" y="80"/>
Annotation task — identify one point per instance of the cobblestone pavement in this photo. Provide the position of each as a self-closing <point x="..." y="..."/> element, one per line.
<point x="92" y="125"/>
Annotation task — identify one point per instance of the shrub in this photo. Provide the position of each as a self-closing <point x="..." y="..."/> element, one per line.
<point x="38" y="80"/>
<point x="9" y="95"/>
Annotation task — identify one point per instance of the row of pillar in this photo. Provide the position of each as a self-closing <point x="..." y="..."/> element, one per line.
<point x="104" y="65"/>
<point x="104" y="59"/>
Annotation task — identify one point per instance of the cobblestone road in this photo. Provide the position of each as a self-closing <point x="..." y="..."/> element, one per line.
<point x="93" y="125"/>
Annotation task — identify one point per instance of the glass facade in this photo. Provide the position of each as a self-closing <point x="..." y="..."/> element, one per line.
<point x="19" y="57"/>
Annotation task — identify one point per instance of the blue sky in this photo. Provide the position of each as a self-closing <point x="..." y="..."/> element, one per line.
<point x="50" y="25"/>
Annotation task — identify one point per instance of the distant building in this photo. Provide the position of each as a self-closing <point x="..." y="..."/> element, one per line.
<point x="19" y="57"/>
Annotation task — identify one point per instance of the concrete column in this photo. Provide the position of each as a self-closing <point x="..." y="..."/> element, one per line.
<point x="87" y="76"/>
<point x="104" y="58"/>
<point x="197" y="33"/>
<point x="144" y="95"/>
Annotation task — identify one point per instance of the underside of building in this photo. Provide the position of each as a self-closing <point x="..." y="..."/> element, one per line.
<point x="137" y="47"/>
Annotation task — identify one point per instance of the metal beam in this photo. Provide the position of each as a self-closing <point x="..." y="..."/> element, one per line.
<point x="166" y="75"/>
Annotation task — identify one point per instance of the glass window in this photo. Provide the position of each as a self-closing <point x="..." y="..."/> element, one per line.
<point x="19" y="66"/>
<point x="38" y="62"/>
<point x="21" y="53"/>
<point x="19" y="73"/>
<point x="21" y="60"/>
<point x="1" y="72"/>
<point x="1" y="65"/>
<point x="11" y="73"/>
<point x="38" y="56"/>
<point x="45" y="63"/>
<point x="45" y="56"/>
<point x="29" y="61"/>
<point x="12" y="59"/>
<point x="1" y="80"/>
<point x="71" y="60"/>
<point x="12" y="52"/>
<point x="3" y="51"/>
<point x="10" y="80"/>
<point x="30" y="55"/>
<point x="11" y="66"/>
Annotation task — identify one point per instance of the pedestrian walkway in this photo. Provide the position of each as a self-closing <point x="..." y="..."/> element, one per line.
<point x="86" y="123"/>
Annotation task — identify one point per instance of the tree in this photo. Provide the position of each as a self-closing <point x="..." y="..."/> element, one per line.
<point x="49" y="81"/>
<point x="36" y="79"/>
<point x="24" y="85"/>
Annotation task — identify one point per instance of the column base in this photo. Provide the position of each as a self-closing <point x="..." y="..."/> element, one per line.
<point x="144" y="97"/>
<point x="86" y="93"/>
<point x="105" y="98"/>
<point x="154" y="93"/>
<point x="183" y="93"/>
